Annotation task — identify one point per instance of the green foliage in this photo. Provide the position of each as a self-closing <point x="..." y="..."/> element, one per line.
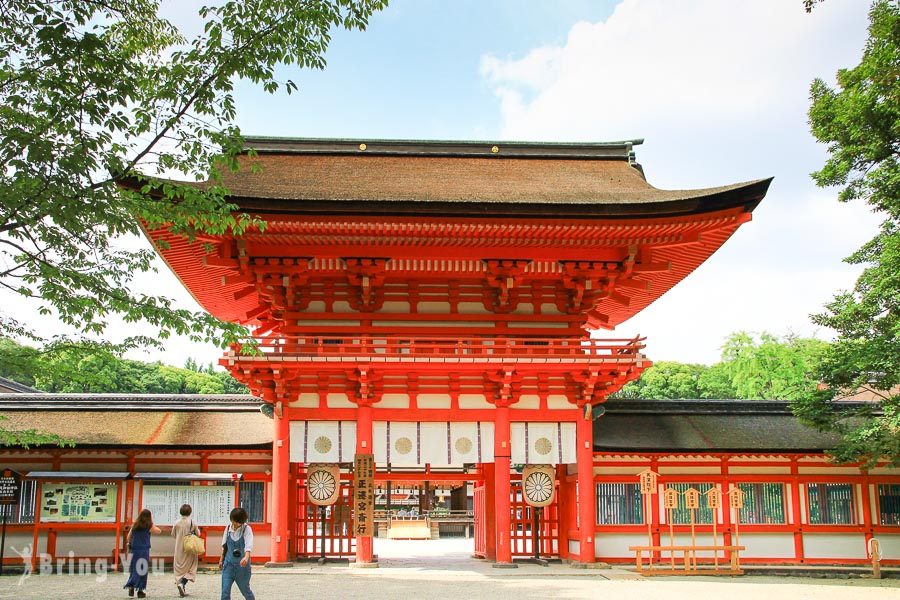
<point x="666" y="381"/>
<point x="715" y="383"/>
<point x="26" y="438"/>
<point x="96" y="371"/>
<point x="860" y="123"/>
<point x="772" y="367"/>
<point x="768" y="368"/>
<point x="94" y="92"/>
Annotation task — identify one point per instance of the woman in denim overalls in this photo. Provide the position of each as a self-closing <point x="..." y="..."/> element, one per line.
<point x="236" y="555"/>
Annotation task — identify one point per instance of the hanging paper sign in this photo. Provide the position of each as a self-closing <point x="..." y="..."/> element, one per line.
<point x="538" y="485"/>
<point x="364" y="495"/>
<point x="323" y="483"/>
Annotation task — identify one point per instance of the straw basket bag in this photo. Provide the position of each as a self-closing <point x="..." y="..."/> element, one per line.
<point x="193" y="543"/>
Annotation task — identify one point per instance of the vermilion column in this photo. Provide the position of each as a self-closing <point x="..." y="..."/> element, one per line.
<point x="364" y="552"/>
<point x="281" y="463"/>
<point x="501" y="483"/>
<point x="584" y="436"/>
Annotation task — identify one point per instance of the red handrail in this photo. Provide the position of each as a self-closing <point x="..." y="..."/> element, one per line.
<point x="470" y="347"/>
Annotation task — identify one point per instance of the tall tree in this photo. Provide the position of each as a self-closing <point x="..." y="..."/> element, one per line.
<point x="771" y="367"/>
<point x="859" y="120"/>
<point x="92" y="91"/>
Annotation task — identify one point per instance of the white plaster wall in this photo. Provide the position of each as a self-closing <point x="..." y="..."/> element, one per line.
<point x="890" y="545"/>
<point x="548" y="308"/>
<point x="474" y="401"/>
<point x="786" y="470"/>
<point x="615" y="545"/>
<point x="684" y="539"/>
<point x="711" y="470"/>
<point x="306" y="400"/>
<point x="338" y="400"/>
<point x="433" y="400"/>
<point x="574" y="547"/>
<point x="558" y="401"/>
<point x="472" y="308"/>
<point x="528" y="401"/>
<point x="834" y="545"/>
<point x="767" y="545"/>
<point x="20" y="539"/>
<point x="403" y="307"/>
<point x="341" y="306"/>
<point x="90" y="544"/>
<point x="827" y="470"/>
<point x="393" y="401"/>
<point x="604" y="470"/>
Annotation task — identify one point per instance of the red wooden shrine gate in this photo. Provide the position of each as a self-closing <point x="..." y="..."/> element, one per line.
<point x="382" y="289"/>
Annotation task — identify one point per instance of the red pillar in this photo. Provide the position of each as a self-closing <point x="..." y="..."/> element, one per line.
<point x="364" y="553"/>
<point x="281" y="462"/>
<point x="799" y="554"/>
<point x="490" y="519"/>
<point x="587" y="498"/>
<point x="562" y="509"/>
<point x="501" y="484"/>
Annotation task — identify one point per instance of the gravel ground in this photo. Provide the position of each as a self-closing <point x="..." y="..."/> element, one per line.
<point x="443" y="570"/>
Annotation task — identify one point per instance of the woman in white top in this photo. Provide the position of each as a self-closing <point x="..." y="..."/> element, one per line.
<point x="237" y="544"/>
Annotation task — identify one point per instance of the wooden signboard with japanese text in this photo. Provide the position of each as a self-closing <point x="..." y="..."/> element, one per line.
<point x="10" y="486"/>
<point x="364" y="495"/>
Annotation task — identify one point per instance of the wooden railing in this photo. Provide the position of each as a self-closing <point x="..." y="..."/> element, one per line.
<point x="470" y="348"/>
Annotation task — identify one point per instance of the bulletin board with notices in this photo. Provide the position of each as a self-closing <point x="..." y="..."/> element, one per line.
<point x="210" y="504"/>
<point x="79" y="502"/>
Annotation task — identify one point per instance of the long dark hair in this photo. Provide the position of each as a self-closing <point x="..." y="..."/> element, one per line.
<point x="144" y="520"/>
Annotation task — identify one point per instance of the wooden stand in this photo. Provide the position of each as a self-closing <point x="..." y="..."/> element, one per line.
<point x="689" y="560"/>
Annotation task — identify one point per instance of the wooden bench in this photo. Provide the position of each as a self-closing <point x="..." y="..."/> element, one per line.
<point x="688" y="564"/>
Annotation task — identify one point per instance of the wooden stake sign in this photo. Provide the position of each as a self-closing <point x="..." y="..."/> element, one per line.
<point x="713" y="502"/>
<point x="648" y="479"/>
<point x="364" y="495"/>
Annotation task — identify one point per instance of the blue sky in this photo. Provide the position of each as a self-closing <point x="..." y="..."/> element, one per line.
<point x="414" y="73"/>
<point x="718" y="89"/>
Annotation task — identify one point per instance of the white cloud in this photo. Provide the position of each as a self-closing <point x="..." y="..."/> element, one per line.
<point x="720" y="92"/>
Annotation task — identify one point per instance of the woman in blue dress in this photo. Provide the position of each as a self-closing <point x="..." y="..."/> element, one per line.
<point x="139" y="544"/>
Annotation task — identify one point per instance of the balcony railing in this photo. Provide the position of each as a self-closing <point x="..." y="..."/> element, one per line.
<point x="469" y="349"/>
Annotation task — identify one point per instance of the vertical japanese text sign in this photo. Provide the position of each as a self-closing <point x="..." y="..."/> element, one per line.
<point x="364" y="495"/>
<point x="9" y="487"/>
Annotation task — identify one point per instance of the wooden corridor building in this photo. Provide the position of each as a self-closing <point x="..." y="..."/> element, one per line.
<point x="430" y="305"/>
